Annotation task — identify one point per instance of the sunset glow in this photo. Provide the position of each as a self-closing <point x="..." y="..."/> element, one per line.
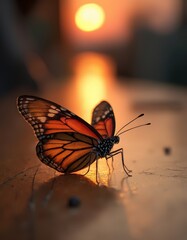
<point x="94" y="74"/>
<point x="89" y="17"/>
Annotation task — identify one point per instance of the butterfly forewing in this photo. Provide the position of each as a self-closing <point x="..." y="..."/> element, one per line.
<point x="47" y="117"/>
<point x="103" y="119"/>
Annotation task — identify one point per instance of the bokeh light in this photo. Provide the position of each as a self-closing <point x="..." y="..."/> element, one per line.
<point x="89" y="17"/>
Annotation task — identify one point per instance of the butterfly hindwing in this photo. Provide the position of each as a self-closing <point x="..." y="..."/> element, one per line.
<point x="103" y="119"/>
<point x="67" y="152"/>
<point x="47" y="117"/>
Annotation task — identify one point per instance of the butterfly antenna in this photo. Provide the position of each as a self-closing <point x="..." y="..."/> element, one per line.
<point x="118" y="132"/>
<point x="142" y="125"/>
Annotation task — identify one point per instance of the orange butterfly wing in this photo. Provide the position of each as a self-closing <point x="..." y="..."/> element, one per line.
<point x="103" y="119"/>
<point x="47" y="117"/>
<point x="67" y="152"/>
<point x="67" y="142"/>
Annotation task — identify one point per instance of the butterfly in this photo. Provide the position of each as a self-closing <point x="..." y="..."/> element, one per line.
<point x="67" y="143"/>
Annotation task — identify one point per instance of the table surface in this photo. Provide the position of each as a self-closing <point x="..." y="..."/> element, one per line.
<point x="149" y="205"/>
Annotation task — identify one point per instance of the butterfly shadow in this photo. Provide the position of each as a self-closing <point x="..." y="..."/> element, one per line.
<point x="71" y="207"/>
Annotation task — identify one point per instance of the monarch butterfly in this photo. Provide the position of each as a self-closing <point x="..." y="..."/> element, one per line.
<point x="67" y="143"/>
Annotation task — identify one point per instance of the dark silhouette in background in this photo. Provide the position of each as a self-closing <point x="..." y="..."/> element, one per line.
<point x="155" y="56"/>
<point x="13" y="71"/>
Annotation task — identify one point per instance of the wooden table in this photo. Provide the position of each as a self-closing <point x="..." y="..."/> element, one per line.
<point x="149" y="205"/>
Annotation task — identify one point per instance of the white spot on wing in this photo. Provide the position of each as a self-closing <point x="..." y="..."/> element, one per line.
<point x="51" y="114"/>
<point x="53" y="107"/>
<point x="42" y="119"/>
<point x="97" y="119"/>
<point x="52" y="111"/>
<point x="29" y="98"/>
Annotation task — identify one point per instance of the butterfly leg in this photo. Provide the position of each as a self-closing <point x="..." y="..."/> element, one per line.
<point x="108" y="165"/>
<point x="124" y="166"/>
<point x="112" y="163"/>
<point x="123" y="162"/>
<point x="97" y="173"/>
<point x="109" y="172"/>
<point x="87" y="170"/>
<point x="120" y="151"/>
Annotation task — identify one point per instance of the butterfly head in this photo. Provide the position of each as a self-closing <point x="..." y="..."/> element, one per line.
<point x="115" y="139"/>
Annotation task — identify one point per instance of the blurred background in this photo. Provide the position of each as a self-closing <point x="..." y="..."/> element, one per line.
<point x="49" y="41"/>
<point x="132" y="53"/>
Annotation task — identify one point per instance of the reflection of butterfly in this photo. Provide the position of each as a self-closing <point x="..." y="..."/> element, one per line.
<point x="66" y="142"/>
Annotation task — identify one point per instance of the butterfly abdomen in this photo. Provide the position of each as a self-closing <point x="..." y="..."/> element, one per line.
<point x="104" y="147"/>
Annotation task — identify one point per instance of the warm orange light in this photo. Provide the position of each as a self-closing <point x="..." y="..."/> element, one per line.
<point x="94" y="74"/>
<point x="89" y="17"/>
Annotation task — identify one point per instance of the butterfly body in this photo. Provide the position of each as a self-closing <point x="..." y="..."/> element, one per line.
<point x="105" y="146"/>
<point x="67" y="143"/>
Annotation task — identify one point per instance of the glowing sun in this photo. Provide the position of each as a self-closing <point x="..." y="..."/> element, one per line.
<point x="89" y="17"/>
